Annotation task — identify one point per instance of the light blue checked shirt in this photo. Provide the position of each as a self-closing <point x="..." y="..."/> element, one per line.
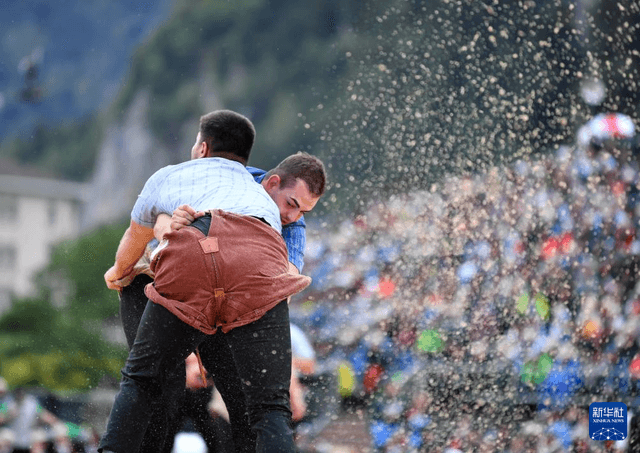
<point x="294" y="234"/>
<point x="204" y="184"/>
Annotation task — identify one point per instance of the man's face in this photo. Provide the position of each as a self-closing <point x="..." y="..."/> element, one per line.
<point x="292" y="201"/>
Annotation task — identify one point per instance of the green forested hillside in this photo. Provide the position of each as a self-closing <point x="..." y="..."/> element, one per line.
<point x="391" y="94"/>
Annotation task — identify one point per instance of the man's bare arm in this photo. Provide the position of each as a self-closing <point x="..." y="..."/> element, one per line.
<point x="130" y="249"/>
<point x="162" y="226"/>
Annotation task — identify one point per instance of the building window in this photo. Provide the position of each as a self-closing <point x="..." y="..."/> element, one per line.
<point x="7" y="257"/>
<point x="8" y="208"/>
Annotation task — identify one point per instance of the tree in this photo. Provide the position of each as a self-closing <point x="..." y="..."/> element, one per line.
<point x="62" y="348"/>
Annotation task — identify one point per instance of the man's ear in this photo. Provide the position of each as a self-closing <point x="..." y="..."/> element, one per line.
<point x="273" y="182"/>
<point x="204" y="150"/>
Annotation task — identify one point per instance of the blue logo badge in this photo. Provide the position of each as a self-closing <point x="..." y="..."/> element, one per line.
<point x="608" y="421"/>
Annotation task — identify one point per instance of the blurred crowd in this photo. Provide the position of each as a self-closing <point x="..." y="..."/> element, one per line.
<point x="487" y="313"/>
<point x="484" y="314"/>
<point x="26" y="426"/>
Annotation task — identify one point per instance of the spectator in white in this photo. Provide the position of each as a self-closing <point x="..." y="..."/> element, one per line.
<point x="189" y="443"/>
<point x="303" y="363"/>
<point x="61" y="441"/>
<point x="304" y="356"/>
<point x="6" y="440"/>
<point x="23" y="414"/>
<point x="39" y="441"/>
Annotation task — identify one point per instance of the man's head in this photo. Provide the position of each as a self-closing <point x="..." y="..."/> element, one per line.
<point x="296" y="185"/>
<point x="224" y="133"/>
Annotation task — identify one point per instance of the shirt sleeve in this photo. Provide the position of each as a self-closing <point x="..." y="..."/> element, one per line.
<point x="295" y="237"/>
<point x="257" y="173"/>
<point x="147" y="207"/>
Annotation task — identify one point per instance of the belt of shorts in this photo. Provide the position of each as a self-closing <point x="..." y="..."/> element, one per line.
<point x="204" y="223"/>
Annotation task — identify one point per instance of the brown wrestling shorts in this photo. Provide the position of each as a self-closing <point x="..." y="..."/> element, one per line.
<point x="224" y="280"/>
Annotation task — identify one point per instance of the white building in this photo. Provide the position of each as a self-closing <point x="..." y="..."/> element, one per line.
<point x="35" y="214"/>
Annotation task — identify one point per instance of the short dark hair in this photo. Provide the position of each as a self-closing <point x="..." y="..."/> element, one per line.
<point x="302" y="166"/>
<point x="226" y="131"/>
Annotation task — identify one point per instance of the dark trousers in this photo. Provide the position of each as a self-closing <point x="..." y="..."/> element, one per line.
<point x="194" y="413"/>
<point x="164" y="413"/>
<point x="260" y="353"/>
<point x="167" y="418"/>
<point x="132" y="304"/>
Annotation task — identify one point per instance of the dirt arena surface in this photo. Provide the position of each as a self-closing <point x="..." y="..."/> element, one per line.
<point x="348" y="433"/>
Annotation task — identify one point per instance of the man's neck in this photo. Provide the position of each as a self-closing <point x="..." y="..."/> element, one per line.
<point x="230" y="156"/>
